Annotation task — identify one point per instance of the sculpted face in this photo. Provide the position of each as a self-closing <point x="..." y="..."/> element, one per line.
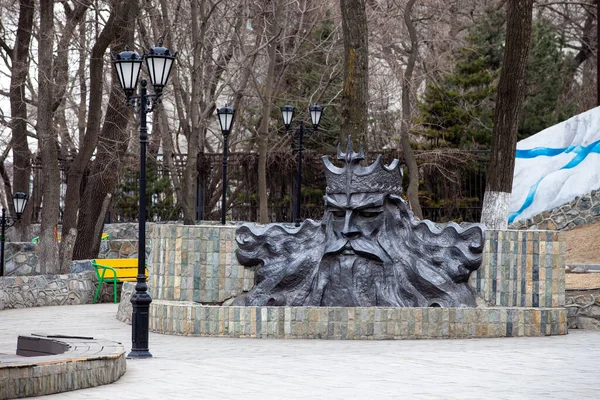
<point x="353" y="223"/>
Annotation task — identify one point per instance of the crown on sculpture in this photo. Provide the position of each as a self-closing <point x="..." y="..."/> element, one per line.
<point x="353" y="178"/>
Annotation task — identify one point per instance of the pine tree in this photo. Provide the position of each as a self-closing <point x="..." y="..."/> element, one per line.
<point x="160" y="203"/>
<point x="458" y="110"/>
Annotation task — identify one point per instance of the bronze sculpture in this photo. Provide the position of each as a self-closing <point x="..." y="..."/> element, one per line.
<point x="368" y="250"/>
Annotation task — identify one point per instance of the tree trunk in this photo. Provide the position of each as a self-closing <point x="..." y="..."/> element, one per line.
<point x="48" y="142"/>
<point x="18" y="111"/>
<point x="511" y="89"/>
<point x="104" y="174"/>
<point x="355" y="94"/>
<point x="272" y="30"/>
<point x="111" y="141"/>
<point x="409" y="155"/>
<point x="190" y="177"/>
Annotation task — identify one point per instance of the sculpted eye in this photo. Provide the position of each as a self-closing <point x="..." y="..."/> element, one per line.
<point x="369" y="214"/>
<point x="337" y="213"/>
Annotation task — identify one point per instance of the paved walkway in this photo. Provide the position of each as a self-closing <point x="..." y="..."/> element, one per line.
<point x="222" y="368"/>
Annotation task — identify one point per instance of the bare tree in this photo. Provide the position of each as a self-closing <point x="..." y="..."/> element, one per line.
<point x="110" y="140"/>
<point x="510" y="97"/>
<point x="48" y="141"/>
<point x="407" y="89"/>
<point x="19" y="56"/>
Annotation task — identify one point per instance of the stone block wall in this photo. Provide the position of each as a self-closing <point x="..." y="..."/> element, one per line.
<point x="582" y="210"/>
<point x="522" y="269"/>
<point x="184" y="318"/>
<point x="196" y="263"/>
<point x="46" y="290"/>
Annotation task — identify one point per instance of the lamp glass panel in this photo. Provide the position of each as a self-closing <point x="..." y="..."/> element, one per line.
<point x="120" y="74"/>
<point x="315" y="116"/>
<point x="19" y="202"/>
<point x="155" y="68"/>
<point x="225" y="120"/>
<point x="228" y="120"/>
<point x="287" y="114"/>
<point x="168" y="63"/>
<point x="135" y="74"/>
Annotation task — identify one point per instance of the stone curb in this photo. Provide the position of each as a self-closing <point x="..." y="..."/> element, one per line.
<point x="87" y="363"/>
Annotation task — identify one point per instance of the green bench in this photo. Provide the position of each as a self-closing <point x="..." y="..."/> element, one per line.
<point x="119" y="270"/>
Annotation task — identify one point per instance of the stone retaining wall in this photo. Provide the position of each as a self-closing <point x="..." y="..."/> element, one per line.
<point x="582" y="210"/>
<point x="584" y="311"/>
<point x="191" y="319"/>
<point x="51" y="290"/>
<point x="522" y="269"/>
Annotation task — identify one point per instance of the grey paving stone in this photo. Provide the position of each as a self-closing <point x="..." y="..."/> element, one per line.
<point x="220" y="368"/>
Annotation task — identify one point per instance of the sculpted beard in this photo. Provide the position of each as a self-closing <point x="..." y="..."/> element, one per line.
<point x="348" y="280"/>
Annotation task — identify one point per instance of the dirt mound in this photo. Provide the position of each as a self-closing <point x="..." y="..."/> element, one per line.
<point x="583" y="244"/>
<point x="583" y="247"/>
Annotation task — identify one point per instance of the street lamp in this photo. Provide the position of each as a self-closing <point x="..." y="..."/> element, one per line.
<point x="287" y="114"/>
<point x="159" y="61"/>
<point x="19" y="202"/>
<point x="225" y="115"/>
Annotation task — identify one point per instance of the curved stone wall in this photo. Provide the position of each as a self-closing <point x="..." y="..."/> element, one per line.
<point x="521" y="271"/>
<point x="191" y="319"/>
<point x="88" y="362"/>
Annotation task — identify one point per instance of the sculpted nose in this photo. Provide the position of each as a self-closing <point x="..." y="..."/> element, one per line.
<point x="350" y="230"/>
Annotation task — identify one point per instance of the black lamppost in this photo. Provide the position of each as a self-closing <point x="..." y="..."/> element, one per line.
<point x="287" y="114"/>
<point x="159" y="61"/>
<point x="225" y="115"/>
<point x="19" y="202"/>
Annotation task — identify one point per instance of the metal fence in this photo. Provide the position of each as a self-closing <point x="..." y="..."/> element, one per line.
<point x="451" y="187"/>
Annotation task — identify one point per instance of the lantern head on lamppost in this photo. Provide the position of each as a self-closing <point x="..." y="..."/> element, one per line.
<point x="315" y="115"/>
<point x="159" y="61"/>
<point x="287" y="114"/>
<point x="128" y="65"/>
<point x="20" y="202"/>
<point x="225" y="115"/>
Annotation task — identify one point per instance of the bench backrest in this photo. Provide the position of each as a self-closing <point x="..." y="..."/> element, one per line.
<point x="116" y="262"/>
<point x="124" y="267"/>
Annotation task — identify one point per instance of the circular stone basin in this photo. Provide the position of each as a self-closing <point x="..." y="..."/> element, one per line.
<point x="193" y="319"/>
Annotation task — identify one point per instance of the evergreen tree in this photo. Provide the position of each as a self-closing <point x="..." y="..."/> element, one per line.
<point x="160" y="203"/>
<point x="458" y="110"/>
<point x="546" y="77"/>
